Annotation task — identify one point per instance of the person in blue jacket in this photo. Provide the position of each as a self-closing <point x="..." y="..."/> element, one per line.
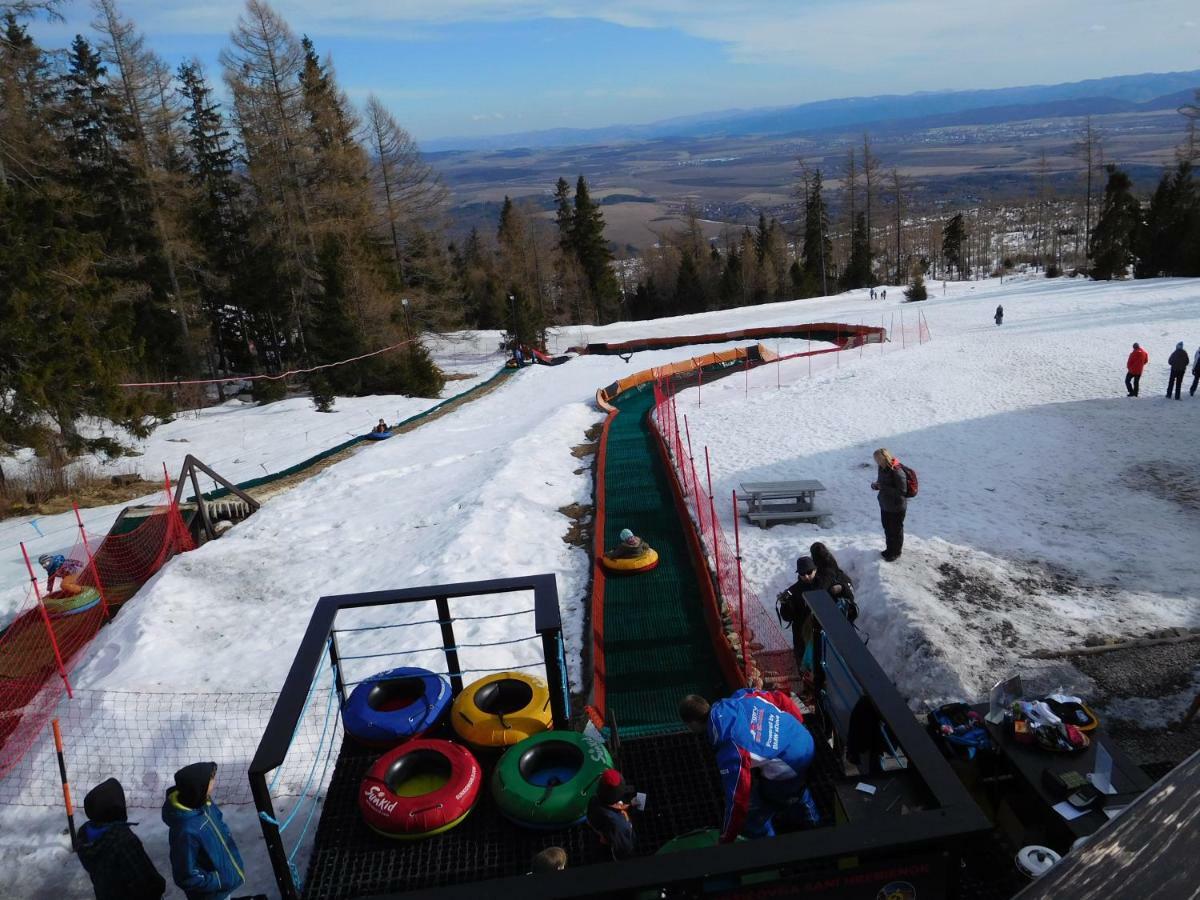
<point x="763" y="753"/>
<point x="205" y="861"/>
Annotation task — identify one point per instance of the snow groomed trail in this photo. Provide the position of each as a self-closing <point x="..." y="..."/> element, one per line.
<point x="655" y="646"/>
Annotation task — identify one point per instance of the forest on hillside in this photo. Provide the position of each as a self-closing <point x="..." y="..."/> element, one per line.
<point x="164" y="223"/>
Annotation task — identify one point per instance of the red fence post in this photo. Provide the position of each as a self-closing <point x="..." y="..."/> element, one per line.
<point x="62" y="670"/>
<point x="737" y="545"/>
<point x="692" y="463"/>
<point x="699" y="382"/>
<point x="712" y="513"/>
<point x="92" y="562"/>
<point x="747" y="377"/>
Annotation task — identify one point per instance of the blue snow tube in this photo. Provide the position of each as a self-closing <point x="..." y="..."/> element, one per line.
<point x="379" y="435"/>
<point x="395" y="706"/>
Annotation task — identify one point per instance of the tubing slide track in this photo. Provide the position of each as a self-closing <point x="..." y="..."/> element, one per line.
<point x="658" y="635"/>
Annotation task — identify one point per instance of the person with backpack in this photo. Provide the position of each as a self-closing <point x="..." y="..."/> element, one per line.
<point x="999" y="315"/>
<point x="893" y="487"/>
<point x="111" y="853"/>
<point x="205" y="861"/>
<point x="1134" y="366"/>
<point x="1178" y="361"/>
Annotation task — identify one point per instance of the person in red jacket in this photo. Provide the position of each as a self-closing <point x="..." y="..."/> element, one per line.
<point x="1134" y="366"/>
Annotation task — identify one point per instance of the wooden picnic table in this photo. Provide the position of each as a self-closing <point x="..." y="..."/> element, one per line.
<point x="782" y="501"/>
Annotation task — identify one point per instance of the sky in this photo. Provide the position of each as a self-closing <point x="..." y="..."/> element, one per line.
<point x="449" y="68"/>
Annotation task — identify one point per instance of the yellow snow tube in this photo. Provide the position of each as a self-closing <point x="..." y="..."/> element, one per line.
<point x="631" y="564"/>
<point x="502" y="709"/>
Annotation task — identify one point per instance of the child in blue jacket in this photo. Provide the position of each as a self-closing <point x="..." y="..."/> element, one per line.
<point x="205" y="861"/>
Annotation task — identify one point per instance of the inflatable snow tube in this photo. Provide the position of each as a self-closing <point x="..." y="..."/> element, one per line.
<point x="395" y="706"/>
<point x="378" y="435"/>
<point x="547" y="780"/>
<point x="632" y="564"/>
<point x="502" y="710"/>
<point x="420" y="789"/>
<point x="62" y="603"/>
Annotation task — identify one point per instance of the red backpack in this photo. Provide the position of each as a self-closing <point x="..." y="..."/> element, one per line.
<point x="910" y="476"/>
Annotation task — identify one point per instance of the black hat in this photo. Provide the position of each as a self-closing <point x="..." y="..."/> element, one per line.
<point x="191" y="783"/>
<point x="106" y="802"/>
<point x="804" y="565"/>
<point x="613" y="789"/>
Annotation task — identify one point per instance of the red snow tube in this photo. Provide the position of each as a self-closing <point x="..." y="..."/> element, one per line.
<point x="420" y="789"/>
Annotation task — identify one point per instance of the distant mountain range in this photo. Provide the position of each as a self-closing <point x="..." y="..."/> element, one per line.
<point x="1098" y="96"/>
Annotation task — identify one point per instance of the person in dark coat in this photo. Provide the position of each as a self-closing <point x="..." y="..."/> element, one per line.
<point x="833" y="580"/>
<point x="608" y="814"/>
<point x="999" y="315"/>
<point x="793" y="610"/>
<point x="1134" y="366"/>
<point x="1195" y="373"/>
<point x="111" y="853"/>
<point x="1178" y="361"/>
<point x="892" y="487"/>
<point x="205" y="861"/>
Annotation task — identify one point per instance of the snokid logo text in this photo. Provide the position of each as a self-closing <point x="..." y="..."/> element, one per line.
<point x="378" y="799"/>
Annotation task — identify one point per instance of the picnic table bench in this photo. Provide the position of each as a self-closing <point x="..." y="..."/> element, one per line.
<point x="768" y="502"/>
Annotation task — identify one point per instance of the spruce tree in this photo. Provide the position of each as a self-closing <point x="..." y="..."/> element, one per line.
<point x="689" y="288"/>
<point x="818" y="250"/>
<point x="858" y="267"/>
<point x="595" y="258"/>
<point x="954" y="235"/>
<point x="1169" y="242"/>
<point x="1115" y="234"/>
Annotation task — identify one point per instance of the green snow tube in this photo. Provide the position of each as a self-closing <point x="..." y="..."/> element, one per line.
<point x="61" y="603"/>
<point x="703" y="838"/>
<point x="547" y="780"/>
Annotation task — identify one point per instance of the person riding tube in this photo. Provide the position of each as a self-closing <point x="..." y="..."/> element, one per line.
<point x="65" y="571"/>
<point x="633" y="554"/>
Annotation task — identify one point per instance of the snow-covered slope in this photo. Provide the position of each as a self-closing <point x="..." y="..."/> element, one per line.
<point x="1029" y="452"/>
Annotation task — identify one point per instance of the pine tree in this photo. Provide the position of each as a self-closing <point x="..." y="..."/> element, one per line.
<point x="595" y="258"/>
<point x="916" y="290"/>
<point x="954" y="236"/>
<point x="689" y="288"/>
<point x="818" y="251"/>
<point x="858" y="267"/>
<point x="1169" y="242"/>
<point x="1115" y="234"/>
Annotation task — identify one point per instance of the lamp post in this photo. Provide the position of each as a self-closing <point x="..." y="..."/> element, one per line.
<point x="407" y="324"/>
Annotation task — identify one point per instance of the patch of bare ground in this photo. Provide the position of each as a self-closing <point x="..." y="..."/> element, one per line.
<point x="1166" y="480"/>
<point x="579" y="534"/>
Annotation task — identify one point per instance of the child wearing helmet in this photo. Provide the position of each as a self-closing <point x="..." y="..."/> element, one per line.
<point x="631" y="546"/>
<point x="64" y="570"/>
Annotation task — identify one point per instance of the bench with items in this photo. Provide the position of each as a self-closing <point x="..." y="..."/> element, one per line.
<point x="768" y="502"/>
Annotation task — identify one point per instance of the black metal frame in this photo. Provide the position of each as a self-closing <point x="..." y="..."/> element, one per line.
<point x="273" y="747"/>
<point x="938" y="831"/>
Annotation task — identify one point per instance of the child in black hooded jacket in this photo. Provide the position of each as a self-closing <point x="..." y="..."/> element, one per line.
<point x="111" y="853"/>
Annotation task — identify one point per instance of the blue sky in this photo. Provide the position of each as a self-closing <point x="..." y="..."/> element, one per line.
<point x="477" y="67"/>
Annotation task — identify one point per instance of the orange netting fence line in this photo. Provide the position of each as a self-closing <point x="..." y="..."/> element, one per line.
<point x="46" y="637"/>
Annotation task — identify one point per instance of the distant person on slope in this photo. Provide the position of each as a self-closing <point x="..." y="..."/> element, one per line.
<point x="892" y="487"/>
<point x="1134" y="366"/>
<point x="381" y="427"/>
<point x="999" y="315"/>
<point x="631" y="546"/>
<point x="111" y="853"/>
<point x="205" y="861"/>
<point x="1195" y="373"/>
<point x="65" y="571"/>
<point x="763" y="754"/>
<point x="1178" y="361"/>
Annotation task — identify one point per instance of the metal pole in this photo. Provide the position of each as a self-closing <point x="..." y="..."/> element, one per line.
<point x="778" y="366"/>
<point x="691" y="460"/>
<point x="62" y="670"/>
<point x="712" y="512"/>
<point x="903" y="345"/>
<point x="747" y="377"/>
<point x="448" y="645"/>
<point x="91" y="562"/>
<point x="66" y="785"/>
<point x="737" y="545"/>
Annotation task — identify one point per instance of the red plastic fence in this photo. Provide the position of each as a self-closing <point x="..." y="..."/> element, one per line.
<point x="763" y="647"/>
<point x="45" y="639"/>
